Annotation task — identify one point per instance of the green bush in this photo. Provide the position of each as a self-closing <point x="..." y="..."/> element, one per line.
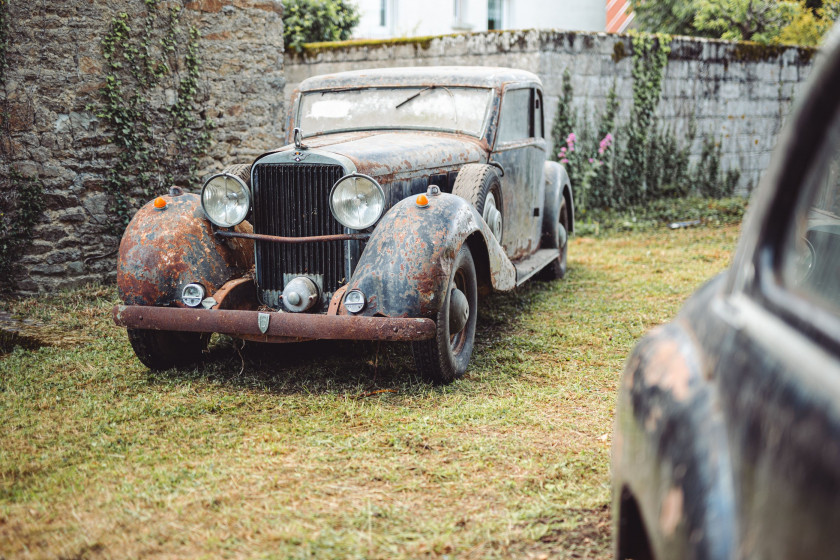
<point x="311" y="21"/>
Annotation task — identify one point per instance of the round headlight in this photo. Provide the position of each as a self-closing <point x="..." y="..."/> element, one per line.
<point x="357" y="201"/>
<point x="225" y="200"/>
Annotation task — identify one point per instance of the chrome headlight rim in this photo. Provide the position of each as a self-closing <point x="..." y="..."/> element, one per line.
<point x="215" y="219"/>
<point x="336" y="215"/>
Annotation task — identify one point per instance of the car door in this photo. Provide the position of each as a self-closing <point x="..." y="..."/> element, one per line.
<point x="779" y="373"/>
<point x="520" y="148"/>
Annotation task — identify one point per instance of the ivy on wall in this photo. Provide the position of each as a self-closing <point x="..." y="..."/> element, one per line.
<point x="148" y="101"/>
<point x="650" y="56"/>
<point x="613" y="165"/>
<point x="22" y="204"/>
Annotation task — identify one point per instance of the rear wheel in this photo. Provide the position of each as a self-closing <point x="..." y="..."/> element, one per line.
<point x="446" y="357"/>
<point x="559" y="239"/>
<point x="166" y="349"/>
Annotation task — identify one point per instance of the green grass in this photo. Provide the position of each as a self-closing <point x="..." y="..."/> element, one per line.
<point x="284" y="453"/>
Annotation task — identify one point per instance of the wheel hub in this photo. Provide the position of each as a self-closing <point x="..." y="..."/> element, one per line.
<point x="459" y="311"/>
<point x="492" y="216"/>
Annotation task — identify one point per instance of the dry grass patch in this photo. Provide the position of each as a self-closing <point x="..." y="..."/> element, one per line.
<point x="101" y="458"/>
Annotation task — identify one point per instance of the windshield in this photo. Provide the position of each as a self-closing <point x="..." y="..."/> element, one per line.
<point x="451" y="109"/>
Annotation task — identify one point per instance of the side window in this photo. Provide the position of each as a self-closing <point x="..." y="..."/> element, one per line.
<point x="539" y="118"/>
<point x="515" y="120"/>
<point x="811" y="255"/>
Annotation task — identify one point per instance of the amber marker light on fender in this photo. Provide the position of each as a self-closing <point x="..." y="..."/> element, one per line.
<point x="422" y="200"/>
<point x="160" y="203"/>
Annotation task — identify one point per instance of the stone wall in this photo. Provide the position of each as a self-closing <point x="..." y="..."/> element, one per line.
<point x="55" y="70"/>
<point x="738" y="93"/>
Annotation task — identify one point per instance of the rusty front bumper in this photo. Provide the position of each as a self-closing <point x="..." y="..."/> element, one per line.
<point x="280" y="326"/>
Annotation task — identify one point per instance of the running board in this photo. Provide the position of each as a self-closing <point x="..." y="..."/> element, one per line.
<point x="533" y="264"/>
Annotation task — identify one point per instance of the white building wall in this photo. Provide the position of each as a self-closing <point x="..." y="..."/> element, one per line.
<point x="571" y="15"/>
<point x="412" y="18"/>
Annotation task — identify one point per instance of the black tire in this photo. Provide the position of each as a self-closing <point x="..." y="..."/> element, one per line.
<point x="557" y="268"/>
<point x="166" y="349"/>
<point x="477" y="183"/>
<point x="445" y="358"/>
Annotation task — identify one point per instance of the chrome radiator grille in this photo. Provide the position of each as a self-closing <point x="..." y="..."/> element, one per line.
<point x="293" y="201"/>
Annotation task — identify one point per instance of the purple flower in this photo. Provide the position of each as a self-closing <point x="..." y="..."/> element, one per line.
<point x="564" y="160"/>
<point x="591" y="160"/>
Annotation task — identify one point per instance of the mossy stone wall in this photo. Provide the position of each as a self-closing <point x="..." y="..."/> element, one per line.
<point x="739" y="93"/>
<point x="56" y="71"/>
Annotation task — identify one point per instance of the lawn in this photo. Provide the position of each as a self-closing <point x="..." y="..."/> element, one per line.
<point x="335" y="450"/>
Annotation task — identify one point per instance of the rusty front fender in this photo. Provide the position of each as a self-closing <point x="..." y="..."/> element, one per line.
<point x="162" y="250"/>
<point x="406" y="264"/>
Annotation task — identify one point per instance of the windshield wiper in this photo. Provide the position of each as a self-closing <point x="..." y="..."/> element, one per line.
<point x="415" y="96"/>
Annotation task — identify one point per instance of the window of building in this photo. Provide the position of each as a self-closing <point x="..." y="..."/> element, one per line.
<point x="383" y="13"/>
<point x="459" y="12"/>
<point x="494" y="14"/>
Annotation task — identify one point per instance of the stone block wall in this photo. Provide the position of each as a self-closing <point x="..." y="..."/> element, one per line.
<point x="55" y="70"/>
<point x="738" y="93"/>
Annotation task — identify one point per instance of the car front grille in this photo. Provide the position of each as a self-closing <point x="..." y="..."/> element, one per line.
<point x="292" y="200"/>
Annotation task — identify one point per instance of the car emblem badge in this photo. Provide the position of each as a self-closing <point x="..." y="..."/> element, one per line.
<point x="262" y="322"/>
<point x="300" y="156"/>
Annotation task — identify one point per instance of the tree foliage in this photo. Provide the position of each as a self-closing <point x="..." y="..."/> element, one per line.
<point x="810" y="25"/>
<point x="745" y="20"/>
<point x="802" y="22"/>
<point x="311" y="21"/>
<point x="675" y="17"/>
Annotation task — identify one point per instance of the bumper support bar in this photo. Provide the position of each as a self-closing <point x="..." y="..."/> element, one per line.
<point x="286" y="325"/>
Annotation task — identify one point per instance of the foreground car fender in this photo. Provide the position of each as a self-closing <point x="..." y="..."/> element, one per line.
<point x="164" y="249"/>
<point x="407" y="262"/>
<point x="672" y="484"/>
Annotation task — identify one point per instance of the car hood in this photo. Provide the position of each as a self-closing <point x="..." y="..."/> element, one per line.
<point x="390" y="156"/>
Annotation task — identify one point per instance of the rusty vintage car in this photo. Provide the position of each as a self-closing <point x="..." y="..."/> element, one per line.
<point x="403" y="195"/>
<point x="727" y="436"/>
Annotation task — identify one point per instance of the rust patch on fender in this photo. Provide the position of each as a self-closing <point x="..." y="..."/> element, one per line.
<point x="163" y="250"/>
<point x="671" y="512"/>
<point x="666" y="368"/>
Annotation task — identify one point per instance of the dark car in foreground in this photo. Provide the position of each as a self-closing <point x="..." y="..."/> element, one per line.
<point x="727" y="436"/>
<point x="403" y="195"/>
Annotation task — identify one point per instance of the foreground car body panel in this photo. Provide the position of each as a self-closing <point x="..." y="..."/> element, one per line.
<point x="672" y="445"/>
<point x="754" y="446"/>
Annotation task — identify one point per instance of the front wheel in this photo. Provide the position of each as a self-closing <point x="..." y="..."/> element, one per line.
<point x="166" y="349"/>
<point x="446" y="357"/>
